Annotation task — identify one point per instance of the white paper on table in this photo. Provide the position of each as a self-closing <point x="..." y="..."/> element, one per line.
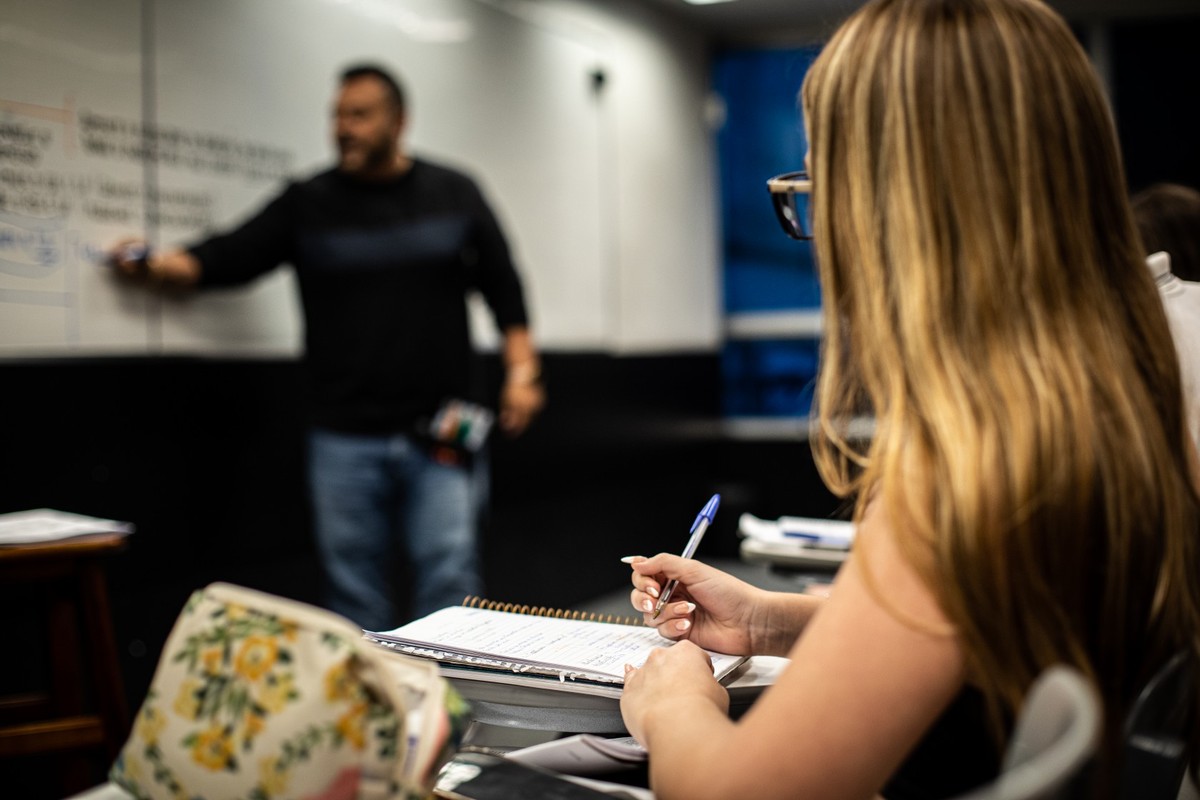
<point x="830" y="534"/>
<point x="583" y="754"/>
<point x="47" y="525"/>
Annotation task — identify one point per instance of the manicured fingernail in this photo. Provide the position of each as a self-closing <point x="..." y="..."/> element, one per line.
<point x="683" y="624"/>
<point x="632" y="559"/>
<point x="648" y="606"/>
<point x="628" y="668"/>
<point x="685" y="608"/>
<point x="653" y="592"/>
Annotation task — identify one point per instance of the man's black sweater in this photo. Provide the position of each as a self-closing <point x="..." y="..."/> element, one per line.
<point x="383" y="269"/>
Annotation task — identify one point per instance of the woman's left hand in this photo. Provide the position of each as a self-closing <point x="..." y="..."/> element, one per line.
<point x="681" y="673"/>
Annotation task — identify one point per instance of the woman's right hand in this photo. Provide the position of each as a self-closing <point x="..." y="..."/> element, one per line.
<point x="709" y="607"/>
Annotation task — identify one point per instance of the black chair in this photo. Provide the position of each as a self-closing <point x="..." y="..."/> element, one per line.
<point x="1156" y="733"/>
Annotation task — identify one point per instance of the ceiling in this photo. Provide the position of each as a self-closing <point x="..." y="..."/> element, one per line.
<point x="766" y="21"/>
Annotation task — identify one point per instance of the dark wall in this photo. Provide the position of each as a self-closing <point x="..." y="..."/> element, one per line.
<point x="1156" y="92"/>
<point x="207" y="459"/>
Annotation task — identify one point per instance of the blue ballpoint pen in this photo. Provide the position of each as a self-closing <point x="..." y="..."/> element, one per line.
<point x="703" y="520"/>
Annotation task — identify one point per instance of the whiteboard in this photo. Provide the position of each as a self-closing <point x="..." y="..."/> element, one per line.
<point x="173" y="118"/>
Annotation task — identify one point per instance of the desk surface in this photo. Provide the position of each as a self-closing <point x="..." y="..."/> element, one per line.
<point x="97" y="544"/>
<point x="792" y="557"/>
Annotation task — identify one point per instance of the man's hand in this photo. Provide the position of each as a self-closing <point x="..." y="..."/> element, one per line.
<point x="520" y="401"/>
<point x="133" y="259"/>
<point x="522" y="396"/>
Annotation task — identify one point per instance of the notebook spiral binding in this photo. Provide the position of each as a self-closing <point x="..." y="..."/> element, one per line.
<point x="472" y="601"/>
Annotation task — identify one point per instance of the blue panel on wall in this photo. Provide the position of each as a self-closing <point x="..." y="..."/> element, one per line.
<point x="771" y="378"/>
<point x="763" y="136"/>
<point x="771" y="284"/>
<point x="764" y="270"/>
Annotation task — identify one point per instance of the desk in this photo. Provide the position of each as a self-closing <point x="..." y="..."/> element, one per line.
<point x="64" y="721"/>
<point x="791" y="558"/>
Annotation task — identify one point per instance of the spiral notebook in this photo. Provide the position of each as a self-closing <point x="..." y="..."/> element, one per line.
<point x="524" y="641"/>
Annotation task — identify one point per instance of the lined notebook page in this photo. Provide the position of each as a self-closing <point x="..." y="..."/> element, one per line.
<point x="590" y="649"/>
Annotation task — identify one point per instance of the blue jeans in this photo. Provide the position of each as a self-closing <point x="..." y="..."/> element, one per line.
<point x="373" y="495"/>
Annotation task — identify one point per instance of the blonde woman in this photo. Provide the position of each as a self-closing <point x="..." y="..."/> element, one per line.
<point x="1026" y="498"/>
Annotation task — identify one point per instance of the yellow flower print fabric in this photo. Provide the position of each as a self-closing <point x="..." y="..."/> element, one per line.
<point x="263" y="698"/>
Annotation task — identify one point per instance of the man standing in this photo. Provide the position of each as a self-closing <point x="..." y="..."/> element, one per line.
<point x="385" y="247"/>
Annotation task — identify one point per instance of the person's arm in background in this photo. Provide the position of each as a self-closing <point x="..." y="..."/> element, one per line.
<point x="238" y="256"/>
<point x="132" y="259"/>
<point x="522" y="396"/>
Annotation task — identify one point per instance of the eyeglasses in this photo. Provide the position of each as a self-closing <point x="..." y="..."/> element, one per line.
<point x="790" y="194"/>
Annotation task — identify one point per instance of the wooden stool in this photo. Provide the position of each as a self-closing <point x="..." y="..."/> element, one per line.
<point x="62" y="721"/>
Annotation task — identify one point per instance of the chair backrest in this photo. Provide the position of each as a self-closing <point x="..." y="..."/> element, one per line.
<point x="1056" y="734"/>
<point x="1156" y="733"/>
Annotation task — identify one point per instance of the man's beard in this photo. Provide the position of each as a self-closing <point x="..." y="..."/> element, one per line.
<point x="366" y="159"/>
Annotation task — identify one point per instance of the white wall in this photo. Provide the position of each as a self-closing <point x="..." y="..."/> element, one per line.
<point x="661" y="196"/>
<point x="608" y="197"/>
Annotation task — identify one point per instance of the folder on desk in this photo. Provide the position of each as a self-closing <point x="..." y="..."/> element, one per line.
<point x="796" y="542"/>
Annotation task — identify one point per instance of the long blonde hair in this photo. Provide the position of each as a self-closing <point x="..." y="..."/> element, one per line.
<point x="986" y="300"/>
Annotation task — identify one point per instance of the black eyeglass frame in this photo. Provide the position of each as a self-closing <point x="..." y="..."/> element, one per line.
<point x="792" y="218"/>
